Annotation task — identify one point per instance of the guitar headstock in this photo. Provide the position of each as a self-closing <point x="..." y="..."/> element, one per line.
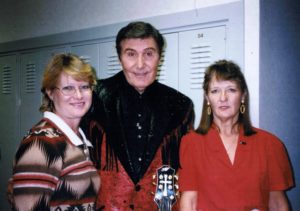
<point x="165" y="195"/>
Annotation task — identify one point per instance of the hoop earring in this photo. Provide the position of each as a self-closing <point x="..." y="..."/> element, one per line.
<point x="242" y="108"/>
<point x="208" y="110"/>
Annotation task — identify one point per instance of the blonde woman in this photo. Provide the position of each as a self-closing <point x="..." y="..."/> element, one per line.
<point x="52" y="167"/>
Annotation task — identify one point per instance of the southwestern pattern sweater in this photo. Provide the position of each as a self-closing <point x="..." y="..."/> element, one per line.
<point x="51" y="173"/>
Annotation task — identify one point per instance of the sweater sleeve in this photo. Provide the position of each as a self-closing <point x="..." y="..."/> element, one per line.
<point x="34" y="179"/>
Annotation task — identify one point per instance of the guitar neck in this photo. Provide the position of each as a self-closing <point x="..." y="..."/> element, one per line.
<point x="165" y="204"/>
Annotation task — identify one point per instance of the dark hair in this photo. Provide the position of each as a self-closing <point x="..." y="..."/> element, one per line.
<point x="139" y="30"/>
<point x="225" y="70"/>
<point x="64" y="63"/>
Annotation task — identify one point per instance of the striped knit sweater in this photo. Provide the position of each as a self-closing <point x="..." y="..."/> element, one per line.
<point x="52" y="169"/>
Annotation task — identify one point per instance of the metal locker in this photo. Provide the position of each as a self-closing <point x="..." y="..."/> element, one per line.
<point x="168" y="68"/>
<point x="109" y="61"/>
<point x="89" y="53"/>
<point x="30" y="96"/>
<point x="9" y="127"/>
<point x="197" y="50"/>
<point x="32" y="66"/>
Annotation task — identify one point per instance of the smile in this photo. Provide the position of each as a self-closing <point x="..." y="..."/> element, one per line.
<point x="140" y="74"/>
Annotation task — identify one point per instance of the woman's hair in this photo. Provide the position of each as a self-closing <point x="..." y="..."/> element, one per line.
<point x="142" y="30"/>
<point x="225" y="70"/>
<point x="69" y="64"/>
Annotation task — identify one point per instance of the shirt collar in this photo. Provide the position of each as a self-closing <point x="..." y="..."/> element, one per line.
<point x="67" y="130"/>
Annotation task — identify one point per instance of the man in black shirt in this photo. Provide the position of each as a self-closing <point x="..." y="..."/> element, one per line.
<point x="142" y="119"/>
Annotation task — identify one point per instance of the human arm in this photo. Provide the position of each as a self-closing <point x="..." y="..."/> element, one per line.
<point x="188" y="201"/>
<point x="188" y="174"/>
<point x="278" y="201"/>
<point x="280" y="174"/>
<point x="33" y="181"/>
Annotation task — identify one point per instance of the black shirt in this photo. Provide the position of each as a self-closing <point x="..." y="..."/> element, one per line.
<point x="136" y="120"/>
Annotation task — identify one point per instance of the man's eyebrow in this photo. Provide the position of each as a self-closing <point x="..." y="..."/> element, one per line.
<point x="146" y="49"/>
<point x="151" y="48"/>
<point x="129" y="49"/>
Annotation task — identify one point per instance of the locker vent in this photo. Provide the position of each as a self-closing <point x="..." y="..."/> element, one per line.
<point x="113" y="65"/>
<point x="30" y="86"/>
<point x="200" y="58"/>
<point x="161" y="75"/>
<point x="7" y="83"/>
<point x="86" y="58"/>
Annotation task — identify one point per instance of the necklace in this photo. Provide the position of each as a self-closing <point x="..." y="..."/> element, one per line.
<point x="86" y="151"/>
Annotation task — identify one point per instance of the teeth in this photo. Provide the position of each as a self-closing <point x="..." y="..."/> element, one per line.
<point x="140" y="74"/>
<point x="78" y="104"/>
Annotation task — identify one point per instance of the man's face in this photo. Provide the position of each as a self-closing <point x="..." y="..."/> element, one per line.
<point x="139" y="59"/>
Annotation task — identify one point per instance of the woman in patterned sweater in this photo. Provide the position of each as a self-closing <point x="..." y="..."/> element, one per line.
<point x="52" y="167"/>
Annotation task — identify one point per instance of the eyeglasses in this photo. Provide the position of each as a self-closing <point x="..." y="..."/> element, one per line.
<point x="71" y="90"/>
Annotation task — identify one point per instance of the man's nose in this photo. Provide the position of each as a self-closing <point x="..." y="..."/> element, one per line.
<point x="140" y="61"/>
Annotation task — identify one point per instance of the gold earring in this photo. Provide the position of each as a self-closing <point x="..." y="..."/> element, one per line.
<point x="242" y="108"/>
<point x="208" y="109"/>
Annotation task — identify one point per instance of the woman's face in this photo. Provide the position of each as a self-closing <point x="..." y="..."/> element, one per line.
<point x="71" y="105"/>
<point x="225" y="99"/>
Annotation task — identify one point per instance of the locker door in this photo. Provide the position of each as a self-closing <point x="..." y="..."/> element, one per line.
<point x="31" y="74"/>
<point x="168" y="68"/>
<point x="32" y="67"/>
<point x="47" y="54"/>
<point x="89" y="53"/>
<point x="9" y="119"/>
<point x="197" y="50"/>
<point x="109" y="61"/>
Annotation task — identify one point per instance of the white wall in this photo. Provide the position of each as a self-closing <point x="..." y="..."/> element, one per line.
<point x="251" y="69"/>
<point x="31" y="18"/>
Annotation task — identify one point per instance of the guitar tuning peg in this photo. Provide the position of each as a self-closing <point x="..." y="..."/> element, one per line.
<point x="152" y="193"/>
<point x="176" y="186"/>
<point x="153" y="176"/>
<point x="154" y="183"/>
<point x="176" y="177"/>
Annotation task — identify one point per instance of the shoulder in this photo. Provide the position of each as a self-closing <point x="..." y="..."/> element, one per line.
<point x="111" y="83"/>
<point x="265" y="135"/>
<point x="171" y="94"/>
<point x="43" y="140"/>
<point x="266" y="138"/>
<point x="107" y="90"/>
<point x="191" y="141"/>
<point x="172" y="99"/>
<point x="176" y="106"/>
<point x="193" y="135"/>
<point x="45" y="131"/>
<point x="192" y="138"/>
